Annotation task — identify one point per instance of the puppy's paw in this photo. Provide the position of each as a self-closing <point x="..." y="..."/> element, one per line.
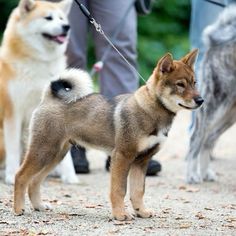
<point x="194" y="178"/>
<point x="70" y="179"/>
<point x="19" y="212"/>
<point x="144" y="213"/>
<point x="210" y="176"/>
<point x="43" y="207"/>
<point x="123" y="216"/>
<point x="10" y="179"/>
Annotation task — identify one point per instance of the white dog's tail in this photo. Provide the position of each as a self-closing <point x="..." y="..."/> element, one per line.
<point x="72" y="85"/>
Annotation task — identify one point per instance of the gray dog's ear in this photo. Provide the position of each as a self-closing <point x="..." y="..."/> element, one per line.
<point x="190" y="58"/>
<point x="26" y="6"/>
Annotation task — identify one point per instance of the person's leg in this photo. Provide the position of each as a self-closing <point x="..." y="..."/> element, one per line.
<point x="116" y="76"/>
<point x="77" y="57"/>
<point x="153" y="167"/>
<point x="77" y="47"/>
<point x="81" y="163"/>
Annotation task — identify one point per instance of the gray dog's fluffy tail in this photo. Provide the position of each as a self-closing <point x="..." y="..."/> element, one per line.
<point x="72" y="85"/>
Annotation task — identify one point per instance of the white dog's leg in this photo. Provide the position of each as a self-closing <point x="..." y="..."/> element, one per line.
<point x="12" y="139"/>
<point x="67" y="170"/>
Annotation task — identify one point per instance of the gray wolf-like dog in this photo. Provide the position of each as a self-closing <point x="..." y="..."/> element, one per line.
<point x="218" y="87"/>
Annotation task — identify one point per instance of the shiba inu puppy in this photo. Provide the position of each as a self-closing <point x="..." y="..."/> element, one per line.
<point x="32" y="53"/>
<point x="218" y="82"/>
<point x="130" y="128"/>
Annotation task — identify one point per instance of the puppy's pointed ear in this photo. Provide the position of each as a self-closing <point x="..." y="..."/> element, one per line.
<point x="65" y="5"/>
<point x="190" y="58"/>
<point x="165" y="64"/>
<point x="26" y="6"/>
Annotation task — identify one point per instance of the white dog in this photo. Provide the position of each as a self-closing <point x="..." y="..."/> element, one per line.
<point x="32" y="55"/>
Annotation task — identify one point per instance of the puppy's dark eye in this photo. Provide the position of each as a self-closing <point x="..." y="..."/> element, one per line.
<point x="180" y="84"/>
<point x="48" y="17"/>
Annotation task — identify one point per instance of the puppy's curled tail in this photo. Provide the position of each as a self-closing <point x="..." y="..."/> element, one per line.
<point x="72" y="85"/>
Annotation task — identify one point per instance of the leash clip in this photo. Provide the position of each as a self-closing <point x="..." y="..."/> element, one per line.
<point x="97" y="26"/>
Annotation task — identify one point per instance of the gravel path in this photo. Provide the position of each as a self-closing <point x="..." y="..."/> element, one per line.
<point x="84" y="209"/>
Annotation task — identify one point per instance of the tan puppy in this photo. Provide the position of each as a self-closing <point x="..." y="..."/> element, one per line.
<point x="130" y="128"/>
<point x="32" y="53"/>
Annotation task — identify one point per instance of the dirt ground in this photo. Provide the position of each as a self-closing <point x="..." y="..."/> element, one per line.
<point x="181" y="209"/>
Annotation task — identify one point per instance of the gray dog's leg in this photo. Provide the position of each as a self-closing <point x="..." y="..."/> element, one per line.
<point x="203" y="138"/>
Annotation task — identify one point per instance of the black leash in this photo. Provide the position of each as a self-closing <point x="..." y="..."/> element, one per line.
<point x="98" y="28"/>
<point x="216" y="3"/>
<point x="98" y="66"/>
<point x="85" y="11"/>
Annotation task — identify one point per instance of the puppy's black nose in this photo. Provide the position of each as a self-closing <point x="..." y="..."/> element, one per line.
<point x="65" y="28"/>
<point x="199" y="100"/>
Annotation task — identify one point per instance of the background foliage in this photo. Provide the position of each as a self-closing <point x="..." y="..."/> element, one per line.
<point x="164" y="30"/>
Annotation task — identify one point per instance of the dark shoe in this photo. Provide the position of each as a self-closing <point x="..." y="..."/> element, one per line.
<point x="153" y="166"/>
<point x="108" y="163"/>
<point x="80" y="161"/>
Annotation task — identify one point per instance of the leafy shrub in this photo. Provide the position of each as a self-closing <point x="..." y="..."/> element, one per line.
<point x="6" y="7"/>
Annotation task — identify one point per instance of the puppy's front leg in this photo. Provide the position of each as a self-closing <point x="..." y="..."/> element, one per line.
<point x="119" y="172"/>
<point x="137" y="188"/>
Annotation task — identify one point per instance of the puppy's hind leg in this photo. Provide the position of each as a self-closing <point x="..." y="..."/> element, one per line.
<point x="34" y="186"/>
<point x="37" y="160"/>
<point x="29" y="168"/>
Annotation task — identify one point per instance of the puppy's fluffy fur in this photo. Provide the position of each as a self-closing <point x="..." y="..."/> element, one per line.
<point x="130" y="128"/>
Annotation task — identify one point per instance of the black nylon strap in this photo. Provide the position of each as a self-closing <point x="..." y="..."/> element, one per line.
<point x="216" y="3"/>
<point x="84" y="10"/>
